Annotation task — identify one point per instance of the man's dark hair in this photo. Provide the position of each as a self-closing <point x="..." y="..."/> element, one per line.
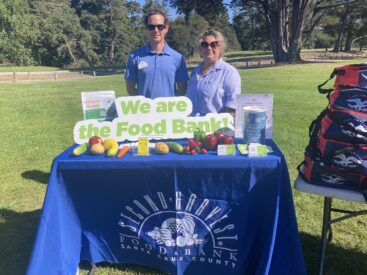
<point x="153" y="12"/>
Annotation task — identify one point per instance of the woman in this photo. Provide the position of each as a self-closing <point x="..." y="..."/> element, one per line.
<point x="213" y="84"/>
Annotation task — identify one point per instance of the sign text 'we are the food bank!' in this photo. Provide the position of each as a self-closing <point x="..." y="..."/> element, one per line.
<point x="159" y="118"/>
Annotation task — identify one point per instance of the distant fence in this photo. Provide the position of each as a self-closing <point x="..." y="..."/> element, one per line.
<point x="13" y="77"/>
<point x="240" y="63"/>
<point x="332" y="56"/>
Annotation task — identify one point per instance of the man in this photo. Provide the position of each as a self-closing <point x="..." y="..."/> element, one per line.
<point x="155" y="69"/>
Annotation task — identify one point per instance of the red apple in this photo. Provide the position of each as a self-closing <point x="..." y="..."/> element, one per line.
<point x="210" y="142"/>
<point x="219" y="134"/>
<point x="225" y="139"/>
<point x="94" y="140"/>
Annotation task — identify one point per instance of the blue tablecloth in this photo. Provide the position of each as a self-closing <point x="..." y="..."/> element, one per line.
<point x="183" y="214"/>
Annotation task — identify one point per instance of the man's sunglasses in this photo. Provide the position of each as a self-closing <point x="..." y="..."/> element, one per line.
<point x="212" y="45"/>
<point x="152" y="27"/>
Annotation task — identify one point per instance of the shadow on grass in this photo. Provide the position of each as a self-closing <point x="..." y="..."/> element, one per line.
<point x="17" y="232"/>
<point x="338" y="260"/>
<point x="36" y="175"/>
<point x="102" y="268"/>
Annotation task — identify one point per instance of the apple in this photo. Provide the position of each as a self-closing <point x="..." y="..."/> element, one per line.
<point x="210" y="142"/>
<point x="225" y="139"/>
<point x="219" y="134"/>
<point x="94" y="140"/>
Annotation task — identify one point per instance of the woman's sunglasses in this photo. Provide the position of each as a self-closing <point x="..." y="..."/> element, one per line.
<point x="213" y="44"/>
<point x="152" y="27"/>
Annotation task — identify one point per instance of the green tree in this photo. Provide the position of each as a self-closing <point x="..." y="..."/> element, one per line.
<point x="250" y="27"/>
<point x="289" y="22"/>
<point x="214" y="12"/>
<point x="62" y="40"/>
<point x="343" y="24"/>
<point x="18" y="32"/>
<point x="184" y="34"/>
<point x="209" y="9"/>
<point x="115" y="28"/>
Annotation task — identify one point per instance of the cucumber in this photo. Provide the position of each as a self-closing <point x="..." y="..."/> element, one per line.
<point x="81" y="149"/>
<point x="175" y="147"/>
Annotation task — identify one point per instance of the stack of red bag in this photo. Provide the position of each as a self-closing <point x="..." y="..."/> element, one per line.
<point x="337" y="151"/>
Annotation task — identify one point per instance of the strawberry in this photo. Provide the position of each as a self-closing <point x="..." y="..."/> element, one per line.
<point x="192" y="143"/>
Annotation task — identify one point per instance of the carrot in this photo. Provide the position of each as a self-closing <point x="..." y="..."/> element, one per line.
<point x="123" y="151"/>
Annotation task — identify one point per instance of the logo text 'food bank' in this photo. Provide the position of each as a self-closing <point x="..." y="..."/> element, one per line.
<point x="179" y="229"/>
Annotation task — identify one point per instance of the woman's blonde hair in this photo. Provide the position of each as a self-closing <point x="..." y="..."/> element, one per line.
<point x="218" y="36"/>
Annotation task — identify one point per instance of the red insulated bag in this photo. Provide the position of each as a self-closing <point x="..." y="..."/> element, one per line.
<point x="349" y="98"/>
<point x="320" y="173"/>
<point x="348" y="75"/>
<point x="326" y="146"/>
<point x="317" y="172"/>
<point x="345" y="125"/>
<point x="337" y="151"/>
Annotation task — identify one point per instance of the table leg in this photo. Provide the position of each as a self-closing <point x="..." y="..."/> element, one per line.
<point x="92" y="270"/>
<point x="325" y="228"/>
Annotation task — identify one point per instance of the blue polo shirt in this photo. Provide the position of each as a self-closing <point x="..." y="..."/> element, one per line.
<point x="215" y="90"/>
<point x="156" y="75"/>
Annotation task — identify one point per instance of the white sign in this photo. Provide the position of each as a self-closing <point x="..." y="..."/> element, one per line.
<point x="159" y="118"/>
<point x="98" y="105"/>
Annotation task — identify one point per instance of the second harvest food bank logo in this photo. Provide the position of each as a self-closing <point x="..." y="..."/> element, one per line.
<point x="179" y="229"/>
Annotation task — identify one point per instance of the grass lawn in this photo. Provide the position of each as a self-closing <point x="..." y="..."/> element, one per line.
<point x="37" y="121"/>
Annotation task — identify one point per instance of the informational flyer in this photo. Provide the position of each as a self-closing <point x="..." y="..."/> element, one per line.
<point x="261" y="100"/>
<point x="99" y="105"/>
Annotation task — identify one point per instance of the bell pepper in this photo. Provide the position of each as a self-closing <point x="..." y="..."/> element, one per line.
<point x="199" y="135"/>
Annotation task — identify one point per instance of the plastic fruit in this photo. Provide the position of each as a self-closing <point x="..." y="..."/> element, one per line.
<point x="97" y="149"/>
<point x="112" y="151"/>
<point x="199" y="135"/>
<point x="210" y="142"/>
<point x="81" y="149"/>
<point x="161" y="148"/>
<point x="219" y="135"/>
<point x="111" y="146"/>
<point x="191" y="143"/>
<point x="175" y="147"/>
<point x="225" y="139"/>
<point x="94" y="140"/>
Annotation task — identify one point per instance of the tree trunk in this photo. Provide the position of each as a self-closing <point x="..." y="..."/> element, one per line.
<point x="286" y="47"/>
<point x="341" y="29"/>
<point x="112" y="50"/>
<point x="69" y="50"/>
<point x="349" y="38"/>
<point x="276" y="22"/>
<point x="298" y="19"/>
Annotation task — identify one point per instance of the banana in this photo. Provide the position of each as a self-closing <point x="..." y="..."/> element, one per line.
<point x="111" y="146"/>
<point x="112" y="151"/>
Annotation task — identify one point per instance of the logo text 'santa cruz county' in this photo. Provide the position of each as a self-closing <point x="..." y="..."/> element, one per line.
<point x="179" y="228"/>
